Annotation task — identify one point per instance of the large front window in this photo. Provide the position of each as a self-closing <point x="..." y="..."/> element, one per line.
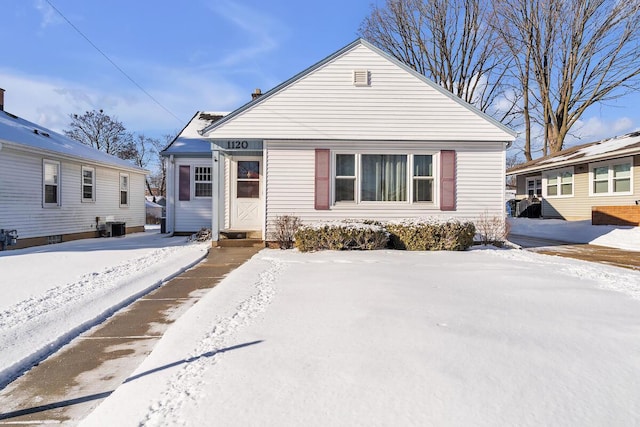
<point x="611" y="178"/>
<point x="383" y="178"/>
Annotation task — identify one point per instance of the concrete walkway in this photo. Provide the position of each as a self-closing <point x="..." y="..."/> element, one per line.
<point x="585" y="252"/>
<point x="69" y="384"/>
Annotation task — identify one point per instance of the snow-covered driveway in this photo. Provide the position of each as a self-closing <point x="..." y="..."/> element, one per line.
<point x="386" y="338"/>
<point x="51" y="293"/>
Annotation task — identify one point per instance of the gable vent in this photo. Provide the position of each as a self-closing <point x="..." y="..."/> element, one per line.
<point x="361" y="78"/>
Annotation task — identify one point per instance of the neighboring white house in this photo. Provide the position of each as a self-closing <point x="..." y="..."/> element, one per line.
<point x="54" y="189"/>
<point x="358" y="135"/>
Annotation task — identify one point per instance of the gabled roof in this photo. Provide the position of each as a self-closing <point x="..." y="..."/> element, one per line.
<point x="605" y="149"/>
<point x="189" y="140"/>
<point x="21" y="133"/>
<point x="359" y="42"/>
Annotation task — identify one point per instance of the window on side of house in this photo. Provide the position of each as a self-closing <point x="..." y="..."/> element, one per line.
<point x="559" y="183"/>
<point x="534" y="187"/>
<point x="124" y="189"/>
<point x="50" y="183"/>
<point x="88" y="184"/>
<point x="202" y="179"/>
<point x="370" y="178"/>
<point x="611" y="178"/>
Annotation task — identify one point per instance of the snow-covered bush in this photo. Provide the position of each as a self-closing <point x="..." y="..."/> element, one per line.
<point x="431" y="234"/>
<point x="344" y="235"/>
<point x="285" y="228"/>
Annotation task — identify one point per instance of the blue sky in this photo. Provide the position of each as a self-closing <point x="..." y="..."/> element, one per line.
<point x="193" y="55"/>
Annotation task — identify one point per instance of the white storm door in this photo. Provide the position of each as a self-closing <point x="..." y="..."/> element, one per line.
<point x="246" y="193"/>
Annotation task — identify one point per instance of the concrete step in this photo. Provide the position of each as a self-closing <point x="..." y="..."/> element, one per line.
<point x="240" y="243"/>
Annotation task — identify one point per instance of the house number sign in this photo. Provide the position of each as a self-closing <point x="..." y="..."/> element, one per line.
<point x="237" y="144"/>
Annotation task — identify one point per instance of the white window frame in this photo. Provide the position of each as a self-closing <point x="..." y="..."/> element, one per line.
<point x="83" y="184"/>
<point x="536" y="189"/>
<point x="125" y="189"/>
<point x="196" y="181"/>
<point x="609" y="164"/>
<point x="46" y="183"/>
<point x="558" y="174"/>
<point x="409" y="179"/>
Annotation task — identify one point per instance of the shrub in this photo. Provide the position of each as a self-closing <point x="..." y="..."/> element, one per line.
<point x="285" y="228"/>
<point x="492" y="230"/>
<point x="431" y="235"/>
<point x="346" y="235"/>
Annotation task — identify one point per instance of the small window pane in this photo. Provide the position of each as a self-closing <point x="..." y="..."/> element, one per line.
<point x="123" y="197"/>
<point x="51" y="194"/>
<point x="423" y="190"/>
<point x="248" y="170"/>
<point x="203" y="189"/>
<point x="345" y="189"/>
<point x="552" y="190"/>
<point x="622" y="171"/>
<point x="601" y="186"/>
<point x="552" y="180"/>
<point x="567" y="189"/>
<point x="345" y="165"/>
<point x="248" y="189"/>
<point x="601" y="173"/>
<point x="422" y="166"/>
<point x="622" y="185"/>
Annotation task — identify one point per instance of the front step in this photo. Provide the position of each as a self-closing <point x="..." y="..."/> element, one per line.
<point x="239" y="243"/>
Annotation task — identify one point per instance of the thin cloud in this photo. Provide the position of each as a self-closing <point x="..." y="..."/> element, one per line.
<point x="48" y="15"/>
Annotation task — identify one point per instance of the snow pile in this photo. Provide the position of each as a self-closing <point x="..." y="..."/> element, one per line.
<point x="627" y="238"/>
<point x="53" y="293"/>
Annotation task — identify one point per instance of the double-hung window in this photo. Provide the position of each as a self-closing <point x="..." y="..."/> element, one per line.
<point x="559" y="183"/>
<point x="88" y="184"/>
<point x="364" y="178"/>
<point x="202" y="179"/>
<point x="611" y="178"/>
<point x="50" y="183"/>
<point x="124" y="189"/>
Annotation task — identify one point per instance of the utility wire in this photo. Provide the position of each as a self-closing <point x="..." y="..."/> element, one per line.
<point x="113" y="63"/>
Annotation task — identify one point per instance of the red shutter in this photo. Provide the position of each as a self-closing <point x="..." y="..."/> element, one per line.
<point x="447" y="180"/>
<point x="184" y="183"/>
<point x="322" y="179"/>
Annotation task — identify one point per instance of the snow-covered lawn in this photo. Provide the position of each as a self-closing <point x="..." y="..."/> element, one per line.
<point x="482" y="337"/>
<point x="485" y="337"/>
<point x="52" y="293"/>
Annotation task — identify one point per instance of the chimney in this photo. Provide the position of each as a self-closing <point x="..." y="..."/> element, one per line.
<point x="1" y="99"/>
<point x="256" y="94"/>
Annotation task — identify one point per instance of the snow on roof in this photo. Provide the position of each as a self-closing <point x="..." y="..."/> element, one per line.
<point x="604" y="149"/>
<point x="18" y="131"/>
<point x="189" y="141"/>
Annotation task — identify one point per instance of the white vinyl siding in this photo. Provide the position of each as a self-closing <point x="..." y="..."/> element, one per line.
<point x="290" y="186"/>
<point x="194" y="214"/>
<point x="396" y="106"/>
<point x="21" y="199"/>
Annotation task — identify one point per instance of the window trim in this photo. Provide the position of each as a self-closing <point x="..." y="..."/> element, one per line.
<point x="435" y="159"/>
<point x="92" y="199"/>
<point x="610" y="179"/>
<point x="558" y="173"/>
<point x="58" y="184"/>
<point x="120" y="190"/>
<point x="196" y="182"/>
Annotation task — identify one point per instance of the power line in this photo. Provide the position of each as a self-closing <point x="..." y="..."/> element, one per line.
<point x="113" y="63"/>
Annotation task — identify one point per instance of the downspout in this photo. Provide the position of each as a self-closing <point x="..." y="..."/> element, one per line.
<point x="171" y="223"/>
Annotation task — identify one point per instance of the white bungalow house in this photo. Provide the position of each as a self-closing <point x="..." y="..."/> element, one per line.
<point x="55" y="189"/>
<point x="598" y="181"/>
<point x="358" y="135"/>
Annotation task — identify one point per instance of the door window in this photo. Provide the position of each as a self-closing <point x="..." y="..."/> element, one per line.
<point x="248" y="180"/>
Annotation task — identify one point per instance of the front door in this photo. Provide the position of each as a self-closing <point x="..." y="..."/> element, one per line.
<point x="246" y="193"/>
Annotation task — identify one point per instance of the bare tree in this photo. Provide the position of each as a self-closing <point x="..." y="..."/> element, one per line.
<point x="577" y="52"/>
<point x="159" y="178"/>
<point x="98" y="130"/>
<point x="452" y="42"/>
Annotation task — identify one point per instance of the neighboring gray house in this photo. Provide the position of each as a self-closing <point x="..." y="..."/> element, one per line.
<point x="54" y="189"/>
<point x="574" y="183"/>
<point x="357" y="135"/>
